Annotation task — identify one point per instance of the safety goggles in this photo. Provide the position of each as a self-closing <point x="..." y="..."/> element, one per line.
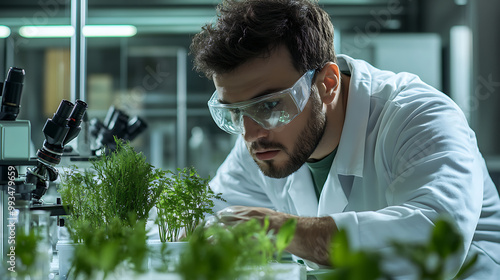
<point x="269" y="111"/>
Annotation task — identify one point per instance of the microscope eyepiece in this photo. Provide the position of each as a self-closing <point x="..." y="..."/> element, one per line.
<point x="55" y="131"/>
<point x="78" y="112"/>
<point x="135" y="127"/>
<point x="118" y="124"/>
<point x="62" y="114"/>
<point x="15" y="75"/>
<point x="74" y="121"/>
<point x="11" y="94"/>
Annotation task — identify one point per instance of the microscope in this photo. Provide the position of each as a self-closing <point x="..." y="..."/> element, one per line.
<point x="15" y="140"/>
<point x="116" y="124"/>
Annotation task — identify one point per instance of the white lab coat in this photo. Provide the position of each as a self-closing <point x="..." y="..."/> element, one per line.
<point x="406" y="155"/>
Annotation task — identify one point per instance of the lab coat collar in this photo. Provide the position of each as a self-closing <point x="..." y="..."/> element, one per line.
<point x="350" y="153"/>
<point x="302" y="193"/>
<point x="333" y="198"/>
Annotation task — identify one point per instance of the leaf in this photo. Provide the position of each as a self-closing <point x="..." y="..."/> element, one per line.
<point x="365" y="266"/>
<point x="285" y="236"/>
<point x="467" y="266"/>
<point x="445" y="239"/>
<point x="339" y="249"/>
<point x="26" y="244"/>
<point x="108" y="255"/>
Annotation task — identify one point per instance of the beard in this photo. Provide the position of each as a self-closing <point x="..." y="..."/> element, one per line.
<point x="307" y="142"/>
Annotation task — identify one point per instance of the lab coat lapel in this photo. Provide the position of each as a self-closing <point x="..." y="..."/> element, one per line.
<point x="332" y="199"/>
<point x="302" y="194"/>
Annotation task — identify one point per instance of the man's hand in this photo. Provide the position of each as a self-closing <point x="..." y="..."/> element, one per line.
<point x="312" y="236"/>
<point x="237" y="214"/>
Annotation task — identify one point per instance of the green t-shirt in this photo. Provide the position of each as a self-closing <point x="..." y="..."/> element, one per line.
<point x="319" y="171"/>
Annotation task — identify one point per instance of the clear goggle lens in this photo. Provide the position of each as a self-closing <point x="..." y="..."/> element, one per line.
<point x="269" y="111"/>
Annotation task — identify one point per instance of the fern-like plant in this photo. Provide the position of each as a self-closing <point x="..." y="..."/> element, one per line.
<point x="183" y="204"/>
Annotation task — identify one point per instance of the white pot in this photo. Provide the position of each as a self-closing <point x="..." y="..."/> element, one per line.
<point x="289" y="271"/>
<point x="65" y="250"/>
<point x="278" y="271"/>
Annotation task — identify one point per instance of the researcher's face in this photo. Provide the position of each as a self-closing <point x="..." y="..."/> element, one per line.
<point x="281" y="151"/>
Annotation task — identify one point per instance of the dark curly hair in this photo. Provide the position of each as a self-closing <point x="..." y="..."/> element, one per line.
<point x="248" y="29"/>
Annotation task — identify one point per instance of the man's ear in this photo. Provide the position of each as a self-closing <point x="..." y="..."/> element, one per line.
<point x="328" y="82"/>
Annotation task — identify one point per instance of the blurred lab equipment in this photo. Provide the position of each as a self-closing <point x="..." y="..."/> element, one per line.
<point x="116" y="124"/>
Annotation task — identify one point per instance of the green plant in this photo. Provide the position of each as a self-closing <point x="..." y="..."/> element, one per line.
<point x="109" y="205"/>
<point x="117" y="185"/>
<point x="106" y="248"/>
<point x="26" y="244"/>
<point x="183" y="204"/>
<point x="284" y="236"/>
<point x="351" y="264"/>
<point x="218" y="252"/>
<point x="429" y="258"/>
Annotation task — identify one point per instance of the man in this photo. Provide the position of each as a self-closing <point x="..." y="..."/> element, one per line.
<point x="337" y="143"/>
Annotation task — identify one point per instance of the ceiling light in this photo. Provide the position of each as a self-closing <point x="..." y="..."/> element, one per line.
<point x="4" y="31"/>
<point x="46" y="31"/>
<point x="52" y="31"/>
<point x="109" y="30"/>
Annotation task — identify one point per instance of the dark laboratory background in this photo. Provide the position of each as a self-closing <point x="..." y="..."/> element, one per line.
<point x="451" y="44"/>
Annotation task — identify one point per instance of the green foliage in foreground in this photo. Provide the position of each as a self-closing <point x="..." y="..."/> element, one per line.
<point x="218" y="252"/>
<point x="26" y="244"/>
<point x="183" y="204"/>
<point x="105" y="249"/>
<point x="429" y="258"/>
